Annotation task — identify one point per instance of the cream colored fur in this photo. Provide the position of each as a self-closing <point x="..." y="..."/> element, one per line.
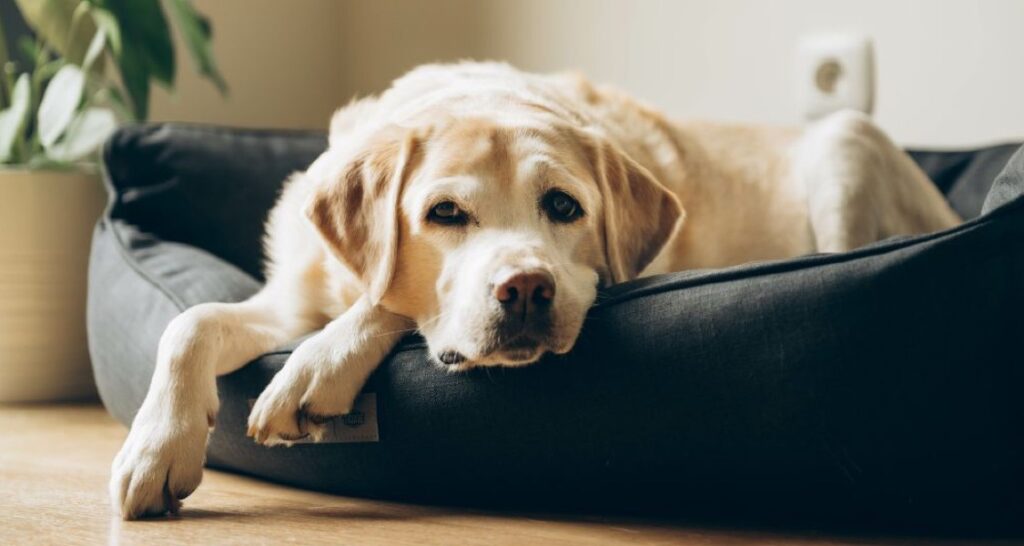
<point x="352" y="250"/>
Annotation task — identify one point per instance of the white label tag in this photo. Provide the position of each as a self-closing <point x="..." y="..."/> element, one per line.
<point x="357" y="426"/>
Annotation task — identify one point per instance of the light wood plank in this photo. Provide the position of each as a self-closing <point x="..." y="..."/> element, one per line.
<point x="54" y="465"/>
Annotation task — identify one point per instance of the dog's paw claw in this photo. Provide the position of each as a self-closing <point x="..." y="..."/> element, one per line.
<point x="160" y="463"/>
<point x="284" y="414"/>
<point x="321" y="418"/>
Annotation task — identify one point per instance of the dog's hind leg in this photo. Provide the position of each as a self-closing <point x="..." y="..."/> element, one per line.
<point x="322" y="378"/>
<point x="861" y="187"/>
<point x="162" y="459"/>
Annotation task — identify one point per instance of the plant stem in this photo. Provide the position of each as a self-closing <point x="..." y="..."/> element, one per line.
<point x="30" y="143"/>
<point x="7" y="81"/>
<point x="5" y="90"/>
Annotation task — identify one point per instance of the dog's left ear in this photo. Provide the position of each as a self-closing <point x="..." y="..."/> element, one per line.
<point x="639" y="214"/>
<point x="356" y="210"/>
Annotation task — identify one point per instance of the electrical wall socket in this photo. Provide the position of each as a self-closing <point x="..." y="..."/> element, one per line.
<point x="835" y="71"/>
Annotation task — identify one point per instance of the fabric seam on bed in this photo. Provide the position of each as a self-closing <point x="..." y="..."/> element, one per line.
<point x="122" y="249"/>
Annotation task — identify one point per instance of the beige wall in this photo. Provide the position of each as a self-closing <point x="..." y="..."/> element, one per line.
<point x="281" y="59"/>
<point x="948" y="71"/>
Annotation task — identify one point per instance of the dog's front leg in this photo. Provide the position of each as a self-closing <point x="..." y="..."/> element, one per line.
<point x="324" y="375"/>
<point x="161" y="461"/>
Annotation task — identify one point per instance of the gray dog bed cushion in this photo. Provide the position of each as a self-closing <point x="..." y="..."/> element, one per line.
<point x="880" y="385"/>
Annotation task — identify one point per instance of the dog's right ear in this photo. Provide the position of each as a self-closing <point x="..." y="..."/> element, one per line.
<point x="356" y="209"/>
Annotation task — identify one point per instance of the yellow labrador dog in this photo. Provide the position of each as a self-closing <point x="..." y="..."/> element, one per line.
<point x="483" y="207"/>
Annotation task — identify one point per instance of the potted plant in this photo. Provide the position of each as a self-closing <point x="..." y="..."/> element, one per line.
<point x="63" y="92"/>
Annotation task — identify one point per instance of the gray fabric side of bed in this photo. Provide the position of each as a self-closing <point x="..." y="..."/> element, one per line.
<point x="140" y="285"/>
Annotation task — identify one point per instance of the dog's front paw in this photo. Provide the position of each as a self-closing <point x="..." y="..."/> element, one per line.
<point x="298" y="403"/>
<point x="160" y="463"/>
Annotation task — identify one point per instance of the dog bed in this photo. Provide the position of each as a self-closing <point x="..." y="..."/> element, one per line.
<point x="880" y="383"/>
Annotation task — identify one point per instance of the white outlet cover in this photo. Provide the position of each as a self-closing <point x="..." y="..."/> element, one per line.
<point x="835" y="71"/>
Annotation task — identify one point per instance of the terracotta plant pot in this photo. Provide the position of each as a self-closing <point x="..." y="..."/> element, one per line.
<point x="46" y="224"/>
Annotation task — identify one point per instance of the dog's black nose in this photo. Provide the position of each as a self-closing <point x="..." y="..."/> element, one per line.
<point x="525" y="291"/>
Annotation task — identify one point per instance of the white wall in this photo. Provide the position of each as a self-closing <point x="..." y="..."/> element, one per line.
<point x="950" y="72"/>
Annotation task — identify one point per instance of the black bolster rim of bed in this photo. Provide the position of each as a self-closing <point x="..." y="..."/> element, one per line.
<point x="877" y="386"/>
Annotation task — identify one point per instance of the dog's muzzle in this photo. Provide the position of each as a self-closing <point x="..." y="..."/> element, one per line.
<point x="522" y="303"/>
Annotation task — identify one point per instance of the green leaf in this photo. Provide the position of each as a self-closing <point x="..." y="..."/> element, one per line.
<point x="143" y="29"/>
<point x="55" y="22"/>
<point x="94" y="51"/>
<point x="107" y="23"/>
<point x="134" y="70"/>
<point x="141" y="42"/>
<point x="135" y="77"/>
<point x="197" y="33"/>
<point x="12" y="120"/>
<point x="85" y="135"/>
<point x="29" y="49"/>
<point x="60" y="101"/>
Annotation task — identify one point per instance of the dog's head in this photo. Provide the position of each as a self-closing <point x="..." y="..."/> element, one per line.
<point x="493" y="238"/>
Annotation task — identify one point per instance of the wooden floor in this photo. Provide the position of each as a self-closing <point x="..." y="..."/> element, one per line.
<point x="54" y="464"/>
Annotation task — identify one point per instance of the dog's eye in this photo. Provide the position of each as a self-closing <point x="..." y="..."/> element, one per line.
<point x="447" y="213"/>
<point x="561" y="207"/>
